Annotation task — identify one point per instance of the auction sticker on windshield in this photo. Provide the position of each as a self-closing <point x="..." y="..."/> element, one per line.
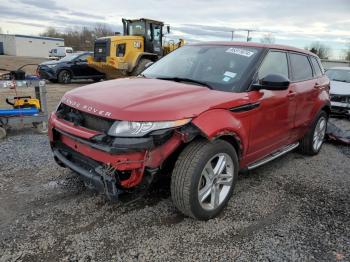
<point x="239" y="51"/>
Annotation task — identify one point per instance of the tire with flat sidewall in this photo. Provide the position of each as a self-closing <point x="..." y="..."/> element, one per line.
<point x="306" y="143"/>
<point x="187" y="173"/>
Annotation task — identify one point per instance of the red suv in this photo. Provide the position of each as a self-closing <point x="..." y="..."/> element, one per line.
<point x="205" y="112"/>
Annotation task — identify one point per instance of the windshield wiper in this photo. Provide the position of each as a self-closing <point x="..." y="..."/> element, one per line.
<point x="183" y="79"/>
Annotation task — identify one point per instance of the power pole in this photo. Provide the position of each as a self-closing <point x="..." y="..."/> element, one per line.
<point x="232" y="34"/>
<point x="248" y="37"/>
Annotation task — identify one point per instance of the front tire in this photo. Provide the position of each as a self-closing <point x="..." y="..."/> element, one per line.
<point x="64" y="77"/>
<point x="312" y="142"/>
<point x="204" y="178"/>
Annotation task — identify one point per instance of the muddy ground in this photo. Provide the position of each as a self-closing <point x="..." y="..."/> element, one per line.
<point x="295" y="208"/>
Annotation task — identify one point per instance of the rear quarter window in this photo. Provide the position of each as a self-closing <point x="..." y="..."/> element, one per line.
<point x="301" y="68"/>
<point x="316" y="66"/>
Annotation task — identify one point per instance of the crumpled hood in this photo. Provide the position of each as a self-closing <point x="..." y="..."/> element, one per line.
<point x="141" y="99"/>
<point x="340" y="88"/>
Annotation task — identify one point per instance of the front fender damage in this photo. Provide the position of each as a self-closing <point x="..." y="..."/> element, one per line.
<point x="225" y="126"/>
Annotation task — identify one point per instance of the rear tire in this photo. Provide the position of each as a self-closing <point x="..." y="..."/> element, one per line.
<point x="3" y="133"/>
<point x="64" y="77"/>
<point x="204" y="177"/>
<point x="312" y="142"/>
<point x="140" y="67"/>
<point x="41" y="128"/>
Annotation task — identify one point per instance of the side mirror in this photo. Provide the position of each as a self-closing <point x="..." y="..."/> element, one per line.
<point x="168" y="29"/>
<point x="80" y="61"/>
<point x="272" y="82"/>
<point x="148" y="64"/>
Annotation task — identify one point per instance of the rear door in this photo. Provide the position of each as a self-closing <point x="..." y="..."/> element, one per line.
<point x="305" y="86"/>
<point x="272" y="123"/>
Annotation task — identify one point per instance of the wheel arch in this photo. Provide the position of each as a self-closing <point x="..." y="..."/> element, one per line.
<point x="227" y="127"/>
<point x="327" y="109"/>
<point x="233" y="140"/>
<point x="143" y="55"/>
<point x="65" y="69"/>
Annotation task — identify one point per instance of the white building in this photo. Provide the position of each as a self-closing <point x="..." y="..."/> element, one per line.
<point x="25" y="45"/>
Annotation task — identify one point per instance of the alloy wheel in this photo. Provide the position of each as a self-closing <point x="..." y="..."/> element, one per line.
<point x="216" y="181"/>
<point x="319" y="133"/>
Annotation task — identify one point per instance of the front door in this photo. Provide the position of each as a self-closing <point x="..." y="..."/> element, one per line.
<point x="81" y="67"/>
<point x="153" y="41"/>
<point x="272" y="123"/>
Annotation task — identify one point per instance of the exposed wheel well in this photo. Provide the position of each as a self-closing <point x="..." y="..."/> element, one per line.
<point x="168" y="164"/>
<point x="234" y="141"/>
<point x="327" y="109"/>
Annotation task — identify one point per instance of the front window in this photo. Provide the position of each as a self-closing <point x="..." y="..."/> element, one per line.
<point x="220" y="67"/>
<point x="339" y="75"/>
<point x="274" y="63"/>
<point x="137" y="28"/>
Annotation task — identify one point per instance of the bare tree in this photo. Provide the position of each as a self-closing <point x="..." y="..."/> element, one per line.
<point x="267" y="39"/>
<point x="101" y="30"/>
<point x="51" y="32"/>
<point x="82" y="38"/>
<point x="321" y="50"/>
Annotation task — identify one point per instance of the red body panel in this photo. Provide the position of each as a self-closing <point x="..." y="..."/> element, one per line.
<point x="279" y="118"/>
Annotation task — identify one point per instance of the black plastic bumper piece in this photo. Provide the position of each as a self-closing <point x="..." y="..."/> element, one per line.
<point x="93" y="178"/>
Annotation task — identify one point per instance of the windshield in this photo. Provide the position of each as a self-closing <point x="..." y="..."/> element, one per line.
<point x="220" y="67"/>
<point x="339" y="75"/>
<point x="69" y="57"/>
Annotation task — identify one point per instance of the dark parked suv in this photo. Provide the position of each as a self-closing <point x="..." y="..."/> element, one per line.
<point x="72" y="66"/>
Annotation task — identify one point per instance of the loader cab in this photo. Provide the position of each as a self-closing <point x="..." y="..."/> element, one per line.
<point x="151" y="30"/>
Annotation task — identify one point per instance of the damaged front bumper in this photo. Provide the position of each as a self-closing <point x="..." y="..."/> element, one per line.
<point x="340" y="104"/>
<point x="112" y="167"/>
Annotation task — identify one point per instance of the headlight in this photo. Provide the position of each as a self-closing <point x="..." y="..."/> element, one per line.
<point x="138" y="129"/>
<point x="51" y="66"/>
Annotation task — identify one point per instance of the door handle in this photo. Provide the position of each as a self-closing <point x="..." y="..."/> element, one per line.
<point x="291" y="94"/>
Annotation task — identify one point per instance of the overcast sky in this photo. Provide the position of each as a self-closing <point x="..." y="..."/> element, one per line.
<point x="293" y="22"/>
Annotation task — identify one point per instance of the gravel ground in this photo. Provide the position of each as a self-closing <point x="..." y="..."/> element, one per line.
<point x="294" y="208"/>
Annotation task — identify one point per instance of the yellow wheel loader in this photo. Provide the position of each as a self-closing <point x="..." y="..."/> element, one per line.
<point x="121" y="55"/>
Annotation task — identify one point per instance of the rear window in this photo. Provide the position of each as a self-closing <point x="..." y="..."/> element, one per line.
<point x="316" y="66"/>
<point x="301" y="68"/>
